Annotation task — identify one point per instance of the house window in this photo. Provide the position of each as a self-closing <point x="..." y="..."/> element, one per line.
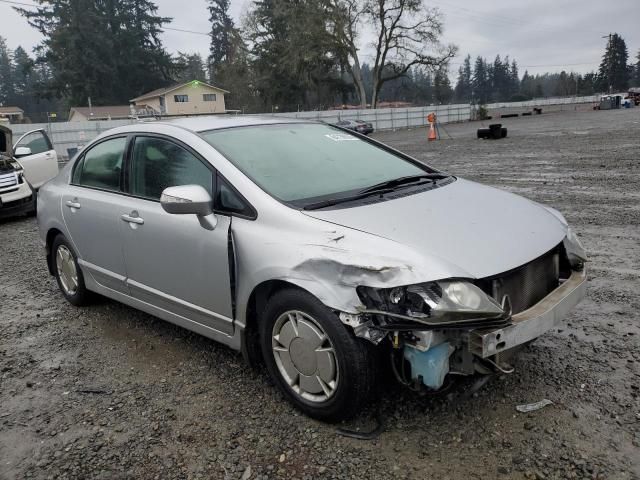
<point x="209" y="97"/>
<point x="181" y="98"/>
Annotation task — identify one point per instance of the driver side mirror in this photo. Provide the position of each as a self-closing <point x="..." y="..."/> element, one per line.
<point x="187" y="200"/>
<point x="22" y="152"/>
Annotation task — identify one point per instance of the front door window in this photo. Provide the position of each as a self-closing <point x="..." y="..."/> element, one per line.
<point x="158" y="164"/>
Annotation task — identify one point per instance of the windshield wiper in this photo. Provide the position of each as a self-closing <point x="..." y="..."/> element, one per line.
<point x="350" y="198"/>
<point x="397" y="182"/>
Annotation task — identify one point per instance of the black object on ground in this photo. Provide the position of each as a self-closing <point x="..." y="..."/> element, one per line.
<point x="495" y="131"/>
<point x="509" y="115"/>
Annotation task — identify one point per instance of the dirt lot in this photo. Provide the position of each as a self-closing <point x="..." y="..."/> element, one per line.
<point x="108" y="392"/>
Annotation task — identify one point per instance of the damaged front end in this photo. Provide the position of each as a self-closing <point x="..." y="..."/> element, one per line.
<point x="468" y="326"/>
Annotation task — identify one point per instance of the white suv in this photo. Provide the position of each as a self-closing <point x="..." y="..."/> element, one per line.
<point x="24" y="168"/>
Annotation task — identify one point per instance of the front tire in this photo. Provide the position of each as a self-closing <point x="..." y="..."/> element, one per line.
<point x="67" y="272"/>
<point x="316" y="361"/>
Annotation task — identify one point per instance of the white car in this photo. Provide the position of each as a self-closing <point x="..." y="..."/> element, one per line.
<point x="24" y="168"/>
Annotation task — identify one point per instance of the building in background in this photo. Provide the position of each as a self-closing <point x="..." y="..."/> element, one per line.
<point x="191" y="98"/>
<point x="114" y="112"/>
<point x="12" y="114"/>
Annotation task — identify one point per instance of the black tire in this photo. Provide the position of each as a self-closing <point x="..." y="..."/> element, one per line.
<point x="356" y="359"/>
<point x="484" y="133"/>
<point x="81" y="296"/>
<point x="503" y="132"/>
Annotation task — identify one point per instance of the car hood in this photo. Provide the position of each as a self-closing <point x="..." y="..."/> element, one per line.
<point x="482" y="230"/>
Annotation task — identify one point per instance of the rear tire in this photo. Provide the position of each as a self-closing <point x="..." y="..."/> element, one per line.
<point x="67" y="272"/>
<point x="316" y="361"/>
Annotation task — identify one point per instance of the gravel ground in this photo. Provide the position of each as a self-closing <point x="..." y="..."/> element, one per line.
<point x="109" y="392"/>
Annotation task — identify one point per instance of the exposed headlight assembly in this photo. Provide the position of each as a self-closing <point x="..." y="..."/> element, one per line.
<point x="575" y="251"/>
<point x="443" y="303"/>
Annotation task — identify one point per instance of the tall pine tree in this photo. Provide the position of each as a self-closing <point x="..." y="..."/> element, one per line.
<point x="614" y="71"/>
<point x="293" y="54"/>
<point x="481" y="82"/>
<point x="109" y="51"/>
<point x="6" y="73"/>
<point x="464" y="87"/>
<point x="442" y="86"/>
<point x="222" y="32"/>
<point x="191" y="67"/>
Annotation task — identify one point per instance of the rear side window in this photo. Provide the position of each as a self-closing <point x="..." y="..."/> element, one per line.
<point x="101" y="166"/>
<point x="158" y="163"/>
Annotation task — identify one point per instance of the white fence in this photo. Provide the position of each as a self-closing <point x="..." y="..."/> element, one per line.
<point x="545" y="101"/>
<point x="389" y="118"/>
<point x="72" y="135"/>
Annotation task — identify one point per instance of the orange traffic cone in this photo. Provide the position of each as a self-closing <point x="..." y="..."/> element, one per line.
<point x="432" y="133"/>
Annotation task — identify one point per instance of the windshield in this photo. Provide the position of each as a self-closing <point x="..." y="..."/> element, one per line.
<point x="297" y="162"/>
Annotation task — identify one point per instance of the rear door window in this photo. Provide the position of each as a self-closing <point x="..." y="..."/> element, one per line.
<point x="101" y="166"/>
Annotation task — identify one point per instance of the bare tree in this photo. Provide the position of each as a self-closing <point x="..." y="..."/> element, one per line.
<point x="407" y="34"/>
<point x="348" y="18"/>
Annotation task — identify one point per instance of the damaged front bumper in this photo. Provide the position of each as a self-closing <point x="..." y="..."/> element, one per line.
<point x="533" y="322"/>
<point x="430" y="354"/>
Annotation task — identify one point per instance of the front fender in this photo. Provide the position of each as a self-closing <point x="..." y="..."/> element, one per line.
<point x="329" y="263"/>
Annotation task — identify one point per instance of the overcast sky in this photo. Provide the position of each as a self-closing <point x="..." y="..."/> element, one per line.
<point x="543" y="35"/>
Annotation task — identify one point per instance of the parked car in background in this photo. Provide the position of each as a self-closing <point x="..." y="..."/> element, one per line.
<point x="24" y="168"/>
<point x="359" y="126"/>
<point x="37" y="156"/>
<point x="320" y="251"/>
<point x="16" y="195"/>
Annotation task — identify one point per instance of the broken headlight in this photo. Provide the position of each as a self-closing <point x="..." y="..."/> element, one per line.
<point x="445" y="301"/>
<point x="575" y="251"/>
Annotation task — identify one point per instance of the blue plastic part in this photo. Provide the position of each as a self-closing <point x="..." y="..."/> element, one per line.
<point x="432" y="365"/>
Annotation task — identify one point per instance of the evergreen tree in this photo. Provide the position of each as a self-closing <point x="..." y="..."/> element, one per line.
<point x="442" y="86"/>
<point x="538" y="92"/>
<point x="24" y="80"/>
<point x="190" y="67"/>
<point x="464" y="87"/>
<point x="222" y="31"/>
<point x="293" y="54"/>
<point x="481" y="85"/>
<point x="613" y="69"/>
<point x="527" y="85"/>
<point x="109" y="50"/>
<point x="6" y="73"/>
<point x="514" y="80"/>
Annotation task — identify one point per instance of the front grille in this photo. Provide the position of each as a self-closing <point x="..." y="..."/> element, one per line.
<point x="8" y="180"/>
<point x="528" y="284"/>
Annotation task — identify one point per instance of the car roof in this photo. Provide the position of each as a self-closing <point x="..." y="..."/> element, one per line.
<point x="214" y="122"/>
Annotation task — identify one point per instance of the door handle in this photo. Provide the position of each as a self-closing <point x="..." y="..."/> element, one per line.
<point x="130" y="219"/>
<point x="72" y="204"/>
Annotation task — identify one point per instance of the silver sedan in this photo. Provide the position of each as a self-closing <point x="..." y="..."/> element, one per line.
<point x="316" y="251"/>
